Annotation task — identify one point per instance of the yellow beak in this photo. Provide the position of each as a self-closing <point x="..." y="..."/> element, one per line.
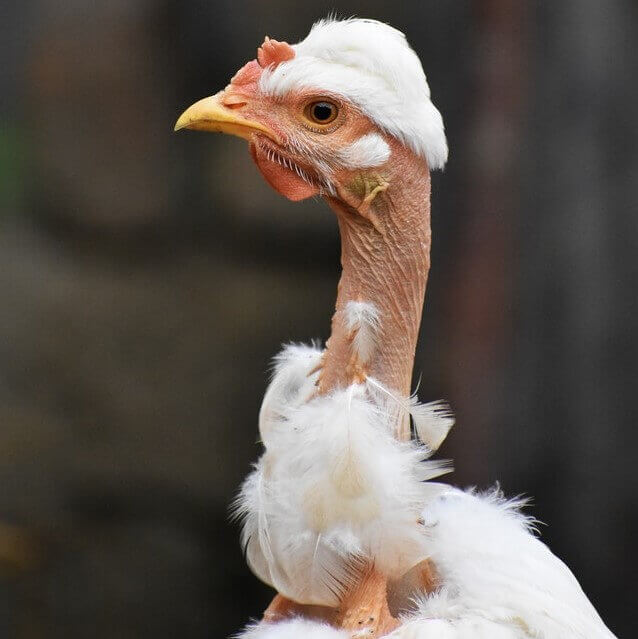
<point x="210" y="114"/>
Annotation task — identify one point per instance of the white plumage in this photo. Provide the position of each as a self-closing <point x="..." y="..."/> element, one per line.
<point x="497" y="574"/>
<point x="368" y="151"/>
<point x="333" y="488"/>
<point x="335" y="492"/>
<point x="293" y="629"/>
<point x="362" y="320"/>
<point x="499" y="580"/>
<point x="372" y="65"/>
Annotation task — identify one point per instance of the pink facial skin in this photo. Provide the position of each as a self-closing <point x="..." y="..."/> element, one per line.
<point x="280" y="160"/>
<point x="242" y="93"/>
<point x="383" y="214"/>
<point x="284" y="181"/>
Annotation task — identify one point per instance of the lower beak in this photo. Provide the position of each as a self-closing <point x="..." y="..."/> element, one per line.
<point x="210" y="114"/>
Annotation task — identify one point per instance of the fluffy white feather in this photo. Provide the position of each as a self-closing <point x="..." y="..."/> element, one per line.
<point x="471" y="626"/>
<point x="332" y="489"/>
<point x="432" y="421"/>
<point x="370" y="64"/>
<point x="292" y="384"/>
<point x="368" y="151"/>
<point x="362" y="321"/>
<point x="498" y="579"/>
<point x="293" y="629"/>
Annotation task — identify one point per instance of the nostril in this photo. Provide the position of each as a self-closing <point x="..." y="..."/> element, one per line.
<point x="234" y="101"/>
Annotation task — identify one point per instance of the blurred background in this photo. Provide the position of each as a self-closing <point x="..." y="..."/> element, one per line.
<point x="147" y="278"/>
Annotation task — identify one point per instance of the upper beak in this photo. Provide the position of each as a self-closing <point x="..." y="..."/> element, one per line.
<point x="210" y="114"/>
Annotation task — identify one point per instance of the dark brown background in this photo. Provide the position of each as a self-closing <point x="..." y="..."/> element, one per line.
<point x="146" y="278"/>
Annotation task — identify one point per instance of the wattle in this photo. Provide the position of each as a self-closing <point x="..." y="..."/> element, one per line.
<point x="283" y="180"/>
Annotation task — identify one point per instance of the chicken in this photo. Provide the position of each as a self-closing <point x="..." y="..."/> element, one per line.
<point x="341" y="515"/>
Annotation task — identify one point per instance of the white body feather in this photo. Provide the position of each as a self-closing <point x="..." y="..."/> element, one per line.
<point x="362" y="320"/>
<point x="498" y="580"/>
<point x="334" y="487"/>
<point x="293" y="629"/>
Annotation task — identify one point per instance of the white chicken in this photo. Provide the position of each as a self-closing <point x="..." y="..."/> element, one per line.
<point x="340" y="514"/>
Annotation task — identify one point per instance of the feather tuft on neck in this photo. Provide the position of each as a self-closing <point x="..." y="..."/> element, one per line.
<point x="334" y="490"/>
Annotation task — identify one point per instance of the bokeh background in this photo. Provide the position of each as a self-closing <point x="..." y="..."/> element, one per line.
<point x="146" y="279"/>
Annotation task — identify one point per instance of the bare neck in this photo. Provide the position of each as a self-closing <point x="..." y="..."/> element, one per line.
<point x="385" y="256"/>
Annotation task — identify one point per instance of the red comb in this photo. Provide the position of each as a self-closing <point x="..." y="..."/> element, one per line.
<point x="274" y="52"/>
<point x="248" y="74"/>
<point x="270" y="53"/>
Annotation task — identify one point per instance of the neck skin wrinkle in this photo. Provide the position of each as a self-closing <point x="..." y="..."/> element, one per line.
<point x="385" y="257"/>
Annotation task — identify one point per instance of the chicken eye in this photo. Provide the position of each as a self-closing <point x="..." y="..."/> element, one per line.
<point x="321" y="112"/>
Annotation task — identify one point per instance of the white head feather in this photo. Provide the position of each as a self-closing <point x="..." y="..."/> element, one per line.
<point x="370" y="64"/>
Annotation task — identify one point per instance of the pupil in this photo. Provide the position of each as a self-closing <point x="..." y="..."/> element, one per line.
<point x="322" y="111"/>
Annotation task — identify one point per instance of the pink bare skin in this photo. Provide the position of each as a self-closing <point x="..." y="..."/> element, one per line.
<point x="383" y="215"/>
<point x="385" y="256"/>
<point x="384" y="220"/>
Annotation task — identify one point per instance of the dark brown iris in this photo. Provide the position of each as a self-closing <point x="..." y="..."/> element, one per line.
<point x="321" y="112"/>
